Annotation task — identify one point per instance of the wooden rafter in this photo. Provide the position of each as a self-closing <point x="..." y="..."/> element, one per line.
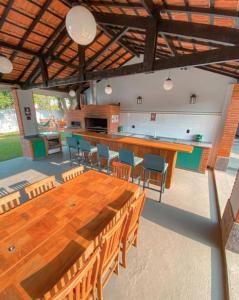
<point x="196" y="59"/>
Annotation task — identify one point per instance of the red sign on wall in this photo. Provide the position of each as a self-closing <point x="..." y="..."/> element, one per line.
<point x="153" y="117"/>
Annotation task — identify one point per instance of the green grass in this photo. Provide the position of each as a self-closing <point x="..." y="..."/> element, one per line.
<point x="10" y="146"/>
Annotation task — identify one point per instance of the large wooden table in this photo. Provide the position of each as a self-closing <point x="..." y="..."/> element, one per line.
<point x="51" y="231"/>
<point x="141" y="147"/>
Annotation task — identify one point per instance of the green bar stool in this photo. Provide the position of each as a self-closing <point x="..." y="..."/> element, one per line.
<point x="87" y="148"/>
<point x="127" y="157"/>
<point x="105" y="153"/>
<point x="72" y="144"/>
<point x="79" y="138"/>
<point x="157" y="164"/>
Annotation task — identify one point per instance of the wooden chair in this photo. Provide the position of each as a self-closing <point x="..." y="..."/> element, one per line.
<point x="121" y="170"/>
<point x="68" y="175"/>
<point x="9" y="202"/>
<point x="80" y="286"/>
<point x="130" y="236"/>
<point x="110" y="250"/>
<point x="40" y="187"/>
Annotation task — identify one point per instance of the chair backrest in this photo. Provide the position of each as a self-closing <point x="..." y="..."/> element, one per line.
<point x="71" y="142"/>
<point x="110" y="243"/>
<point x="102" y="151"/>
<point x="78" y="137"/>
<point x="134" y="215"/>
<point x="154" y="162"/>
<point x="126" y="156"/>
<point x="9" y="202"/>
<point x="121" y="170"/>
<point x="84" y="145"/>
<point x="81" y="285"/>
<point x="40" y="187"/>
<point x="68" y="175"/>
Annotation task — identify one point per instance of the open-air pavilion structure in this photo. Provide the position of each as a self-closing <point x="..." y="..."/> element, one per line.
<point x="159" y="77"/>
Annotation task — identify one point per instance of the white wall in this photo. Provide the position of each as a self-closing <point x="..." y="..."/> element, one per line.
<point x="176" y="115"/>
<point x="174" y="125"/>
<point x="26" y="100"/>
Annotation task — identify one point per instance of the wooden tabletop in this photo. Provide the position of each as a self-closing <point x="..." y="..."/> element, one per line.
<point x="137" y="141"/>
<point x="51" y="231"/>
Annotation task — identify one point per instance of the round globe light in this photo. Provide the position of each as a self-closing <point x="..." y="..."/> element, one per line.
<point x="81" y="25"/>
<point x="108" y="89"/>
<point x="6" y="66"/>
<point x="72" y="93"/>
<point x="168" y="84"/>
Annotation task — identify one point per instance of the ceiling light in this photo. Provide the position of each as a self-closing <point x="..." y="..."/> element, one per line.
<point x="72" y="93"/>
<point x="6" y="66"/>
<point x="81" y="25"/>
<point x="108" y="89"/>
<point x="168" y="84"/>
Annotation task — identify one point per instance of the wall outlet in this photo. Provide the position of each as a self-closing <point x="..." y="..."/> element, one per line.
<point x="188" y="131"/>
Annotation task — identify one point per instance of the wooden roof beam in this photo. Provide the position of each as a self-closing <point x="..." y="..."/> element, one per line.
<point x="210" y="33"/>
<point x="149" y="6"/>
<point x="190" y="60"/>
<point x="114" y="39"/>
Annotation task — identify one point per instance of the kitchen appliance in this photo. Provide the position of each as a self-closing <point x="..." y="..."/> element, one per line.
<point x="96" y="124"/>
<point x="53" y="141"/>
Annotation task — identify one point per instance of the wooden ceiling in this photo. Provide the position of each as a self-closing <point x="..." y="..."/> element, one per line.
<point x="171" y="33"/>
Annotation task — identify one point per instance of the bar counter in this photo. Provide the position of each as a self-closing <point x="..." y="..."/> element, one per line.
<point x="140" y="147"/>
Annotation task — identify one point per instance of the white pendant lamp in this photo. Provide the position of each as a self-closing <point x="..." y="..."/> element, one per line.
<point x="72" y="93"/>
<point x="81" y="25"/>
<point x="168" y="84"/>
<point x="108" y="89"/>
<point x="6" y="66"/>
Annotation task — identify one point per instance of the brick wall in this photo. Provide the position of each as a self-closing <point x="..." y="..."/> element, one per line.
<point x="230" y="126"/>
<point x="204" y="160"/>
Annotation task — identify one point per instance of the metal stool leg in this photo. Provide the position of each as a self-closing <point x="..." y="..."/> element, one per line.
<point x="108" y="166"/>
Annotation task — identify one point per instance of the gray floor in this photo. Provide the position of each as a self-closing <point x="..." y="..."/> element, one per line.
<point x="178" y="256"/>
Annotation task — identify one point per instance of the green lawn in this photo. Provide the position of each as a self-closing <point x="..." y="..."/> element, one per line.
<point x="10" y="146"/>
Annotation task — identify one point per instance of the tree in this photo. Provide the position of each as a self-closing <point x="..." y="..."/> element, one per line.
<point x="6" y="100"/>
<point x="51" y="103"/>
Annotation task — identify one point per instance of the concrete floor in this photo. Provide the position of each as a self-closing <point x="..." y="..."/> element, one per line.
<point x="178" y="256"/>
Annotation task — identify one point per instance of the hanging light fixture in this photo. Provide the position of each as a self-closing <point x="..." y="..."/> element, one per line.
<point x="6" y="66"/>
<point x="72" y="93"/>
<point x="168" y="83"/>
<point x="81" y="25"/>
<point x="108" y="89"/>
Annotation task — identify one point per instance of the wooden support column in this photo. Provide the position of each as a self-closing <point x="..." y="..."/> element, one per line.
<point x="44" y="70"/>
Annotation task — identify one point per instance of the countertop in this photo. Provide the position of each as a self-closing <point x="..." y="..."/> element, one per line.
<point x="166" y="139"/>
<point x="139" y="141"/>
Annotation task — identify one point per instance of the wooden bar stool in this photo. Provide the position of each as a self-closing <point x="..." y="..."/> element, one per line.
<point x="155" y="164"/>
<point x="127" y="157"/>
